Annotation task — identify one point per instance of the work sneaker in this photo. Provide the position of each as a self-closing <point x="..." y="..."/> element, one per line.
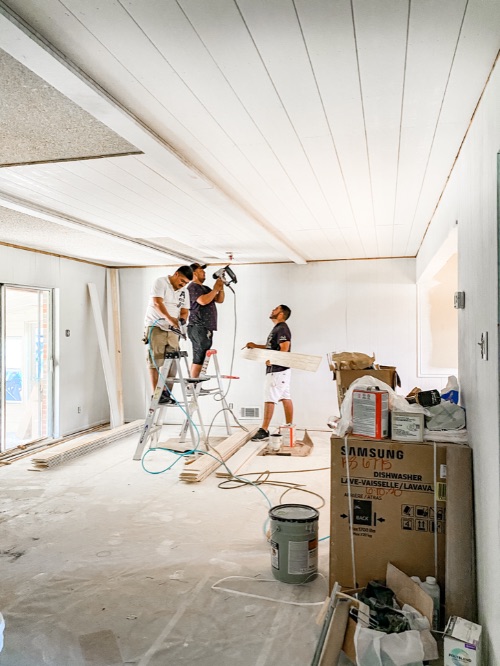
<point x="260" y="434"/>
<point x="166" y="399"/>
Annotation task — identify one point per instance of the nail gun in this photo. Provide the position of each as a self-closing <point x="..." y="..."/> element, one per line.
<point x="226" y="275"/>
<point x="180" y="330"/>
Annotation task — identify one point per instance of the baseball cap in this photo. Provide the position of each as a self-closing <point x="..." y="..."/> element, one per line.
<point x="196" y="265"/>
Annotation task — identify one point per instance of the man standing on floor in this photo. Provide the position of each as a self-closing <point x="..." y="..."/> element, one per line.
<point x="203" y="315"/>
<point x="277" y="385"/>
<point x="167" y="310"/>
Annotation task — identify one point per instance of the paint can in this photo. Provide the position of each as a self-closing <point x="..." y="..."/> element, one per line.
<point x="274" y="442"/>
<point x="294" y="542"/>
<point x="288" y="432"/>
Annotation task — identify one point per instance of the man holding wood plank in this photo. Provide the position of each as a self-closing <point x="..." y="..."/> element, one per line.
<point x="277" y="384"/>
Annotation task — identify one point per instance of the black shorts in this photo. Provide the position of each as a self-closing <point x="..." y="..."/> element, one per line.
<point x="201" y="339"/>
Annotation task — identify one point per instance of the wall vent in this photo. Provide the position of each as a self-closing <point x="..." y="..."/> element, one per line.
<point x="250" y="412"/>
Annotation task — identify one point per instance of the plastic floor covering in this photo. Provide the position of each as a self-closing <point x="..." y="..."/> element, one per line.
<point x="103" y="564"/>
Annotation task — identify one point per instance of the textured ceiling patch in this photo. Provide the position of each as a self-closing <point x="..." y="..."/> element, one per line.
<point x="40" y="124"/>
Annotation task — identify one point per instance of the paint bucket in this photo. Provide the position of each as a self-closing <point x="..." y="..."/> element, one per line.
<point x="274" y="442"/>
<point x="288" y="432"/>
<point x="294" y="542"/>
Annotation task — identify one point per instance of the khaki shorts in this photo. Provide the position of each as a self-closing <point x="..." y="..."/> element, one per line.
<point x="277" y="386"/>
<point x="160" y="342"/>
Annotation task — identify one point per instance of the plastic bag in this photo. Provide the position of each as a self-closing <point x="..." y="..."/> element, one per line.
<point x="450" y="391"/>
<point x="374" y="648"/>
<point x="445" y="416"/>
<point x="396" y="402"/>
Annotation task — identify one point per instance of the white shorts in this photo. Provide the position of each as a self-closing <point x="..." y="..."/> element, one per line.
<point x="277" y="386"/>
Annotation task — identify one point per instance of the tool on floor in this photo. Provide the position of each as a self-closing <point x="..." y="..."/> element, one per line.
<point x="153" y="423"/>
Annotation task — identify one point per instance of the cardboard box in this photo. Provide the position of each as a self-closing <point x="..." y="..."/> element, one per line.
<point x="407" y="426"/>
<point x="462" y="642"/>
<point x="387" y="492"/>
<point x="406" y="591"/>
<point x="370" y="413"/>
<point x="391" y="506"/>
<point x="345" y="378"/>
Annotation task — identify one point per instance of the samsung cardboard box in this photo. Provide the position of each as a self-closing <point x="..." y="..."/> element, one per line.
<point x="462" y="643"/>
<point x="409" y="504"/>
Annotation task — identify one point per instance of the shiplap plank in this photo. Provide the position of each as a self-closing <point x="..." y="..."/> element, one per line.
<point x="329" y="35"/>
<point x="382" y="75"/>
<point x="433" y="34"/>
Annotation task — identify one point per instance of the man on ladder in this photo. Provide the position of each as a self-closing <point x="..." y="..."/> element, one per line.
<point x="203" y="315"/>
<point x="166" y="315"/>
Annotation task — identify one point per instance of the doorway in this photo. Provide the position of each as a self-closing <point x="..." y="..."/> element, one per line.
<point x="26" y="403"/>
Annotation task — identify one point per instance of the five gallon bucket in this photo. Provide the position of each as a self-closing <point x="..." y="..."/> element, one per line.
<point x="294" y="542"/>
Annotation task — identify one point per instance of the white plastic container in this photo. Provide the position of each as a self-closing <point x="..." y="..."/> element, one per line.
<point x="416" y="579"/>
<point x="274" y="442"/>
<point x="432" y="588"/>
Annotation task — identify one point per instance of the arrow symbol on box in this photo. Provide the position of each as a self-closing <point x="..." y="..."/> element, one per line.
<point x="343" y="515"/>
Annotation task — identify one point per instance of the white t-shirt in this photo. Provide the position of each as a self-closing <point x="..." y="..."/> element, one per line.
<point x="174" y="301"/>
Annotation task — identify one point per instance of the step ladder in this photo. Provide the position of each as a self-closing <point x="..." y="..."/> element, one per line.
<point x="153" y="423"/>
<point x="212" y="353"/>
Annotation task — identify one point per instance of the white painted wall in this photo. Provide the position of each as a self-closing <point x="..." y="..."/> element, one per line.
<point x="79" y="368"/>
<point x="367" y="306"/>
<point x="471" y="198"/>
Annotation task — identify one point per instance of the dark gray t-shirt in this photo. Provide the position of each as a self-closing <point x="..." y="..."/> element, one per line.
<point x="201" y="315"/>
<point x="280" y="333"/>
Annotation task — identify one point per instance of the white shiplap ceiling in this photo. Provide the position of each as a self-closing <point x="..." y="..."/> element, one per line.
<point x="277" y="130"/>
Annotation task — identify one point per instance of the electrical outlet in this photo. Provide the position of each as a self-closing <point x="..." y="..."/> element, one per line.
<point x="79" y="410"/>
<point x="231" y="405"/>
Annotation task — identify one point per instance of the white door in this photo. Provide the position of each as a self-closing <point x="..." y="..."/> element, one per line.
<point x="26" y="365"/>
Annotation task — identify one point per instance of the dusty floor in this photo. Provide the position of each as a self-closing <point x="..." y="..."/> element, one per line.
<point x="102" y="564"/>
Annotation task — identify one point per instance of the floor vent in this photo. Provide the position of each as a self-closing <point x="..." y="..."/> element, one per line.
<point x="250" y="413"/>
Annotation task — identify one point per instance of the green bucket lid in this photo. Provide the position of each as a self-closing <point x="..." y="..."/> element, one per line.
<point x="294" y="513"/>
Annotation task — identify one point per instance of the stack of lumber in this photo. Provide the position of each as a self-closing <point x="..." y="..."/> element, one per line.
<point x="203" y="466"/>
<point x="241" y="458"/>
<point x="87" y="444"/>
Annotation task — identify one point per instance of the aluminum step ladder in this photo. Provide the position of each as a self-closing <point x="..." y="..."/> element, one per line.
<point x="189" y="403"/>
<point x="201" y="393"/>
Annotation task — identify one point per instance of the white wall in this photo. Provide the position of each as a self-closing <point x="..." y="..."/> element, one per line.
<point x="471" y="198"/>
<point x="366" y="306"/>
<point x="81" y="378"/>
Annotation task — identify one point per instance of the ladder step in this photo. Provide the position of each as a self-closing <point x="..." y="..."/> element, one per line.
<point x="155" y="429"/>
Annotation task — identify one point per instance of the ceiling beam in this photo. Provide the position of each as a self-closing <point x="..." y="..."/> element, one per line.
<point x="31" y="49"/>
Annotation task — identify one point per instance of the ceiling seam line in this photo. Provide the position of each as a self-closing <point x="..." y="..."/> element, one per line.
<point x="250" y="118"/>
<point x="243" y="154"/>
<point x="331" y="133"/>
<point x="284" y="110"/>
<point x="497" y="59"/>
<point x="437" y="122"/>
<point x="119" y="197"/>
<point x="364" y="119"/>
<point x="401" y="124"/>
